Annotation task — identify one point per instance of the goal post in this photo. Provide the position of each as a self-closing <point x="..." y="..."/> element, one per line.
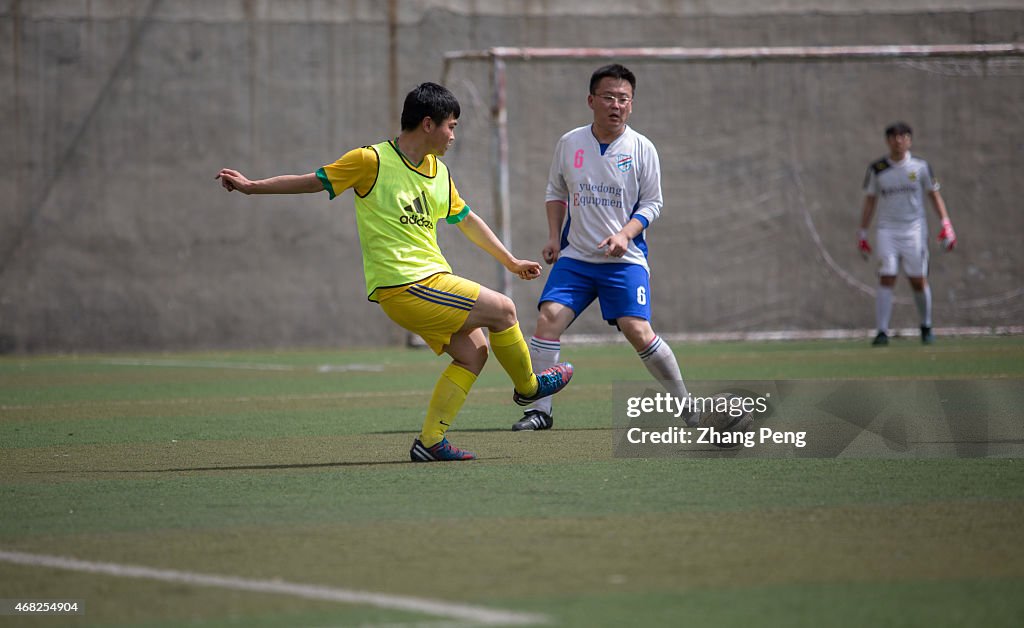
<point x="787" y="88"/>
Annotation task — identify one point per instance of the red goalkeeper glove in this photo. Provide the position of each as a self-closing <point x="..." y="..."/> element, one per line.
<point x="862" y="244"/>
<point x="947" y="236"/>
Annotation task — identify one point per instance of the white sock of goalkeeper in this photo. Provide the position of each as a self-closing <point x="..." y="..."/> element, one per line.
<point x="883" y="307"/>
<point x="923" y="300"/>
<point x="544" y="354"/>
<point x="660" y="361"/>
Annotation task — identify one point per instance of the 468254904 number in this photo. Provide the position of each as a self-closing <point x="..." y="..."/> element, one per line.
<point x="41" y="607"/>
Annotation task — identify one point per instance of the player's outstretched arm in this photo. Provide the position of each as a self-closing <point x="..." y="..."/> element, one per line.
<point x="477" y="232"/>
<point x="284" y="184"/>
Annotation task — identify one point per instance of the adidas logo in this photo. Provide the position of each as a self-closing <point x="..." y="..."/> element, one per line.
<point x="415" y="214"/>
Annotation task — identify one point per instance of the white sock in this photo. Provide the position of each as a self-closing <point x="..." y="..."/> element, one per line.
<point x="660" y="361"/>
<point x="923" y="299"/>
<point x="544" y="354"/>
<point x="883" y="307"/>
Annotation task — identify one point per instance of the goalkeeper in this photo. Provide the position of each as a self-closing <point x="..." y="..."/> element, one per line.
<point x="894" y="188"/>
<point x="403" y="191"/>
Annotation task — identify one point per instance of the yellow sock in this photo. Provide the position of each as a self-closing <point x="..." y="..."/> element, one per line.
<point x="449" y="395"/>
<point x="514" y="355"/>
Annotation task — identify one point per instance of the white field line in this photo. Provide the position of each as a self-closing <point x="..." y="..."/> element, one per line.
<point x="436" y="608"/>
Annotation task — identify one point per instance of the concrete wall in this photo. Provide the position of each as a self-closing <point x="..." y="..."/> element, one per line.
<point x="116" y="115"/>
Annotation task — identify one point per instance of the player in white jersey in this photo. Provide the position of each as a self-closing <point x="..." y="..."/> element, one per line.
<point x="894" y="188"/>
<point x="603" y="192"/>
<point x="603" y="185"/>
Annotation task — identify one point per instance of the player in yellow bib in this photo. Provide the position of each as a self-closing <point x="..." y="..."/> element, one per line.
<point x="403" y="192"/>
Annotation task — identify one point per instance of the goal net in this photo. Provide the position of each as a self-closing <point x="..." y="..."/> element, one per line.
<point x="763" y="154"/>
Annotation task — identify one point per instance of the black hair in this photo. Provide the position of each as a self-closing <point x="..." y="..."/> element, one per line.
<point x="429" y="100"/>
<point x="898" y="128"/>
<point x="615" y="71"/>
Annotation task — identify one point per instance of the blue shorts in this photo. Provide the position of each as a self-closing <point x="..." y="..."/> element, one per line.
<point x="621" y="289"/>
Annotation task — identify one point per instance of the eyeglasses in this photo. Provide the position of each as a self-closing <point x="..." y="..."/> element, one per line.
<point x="610" y="100"/>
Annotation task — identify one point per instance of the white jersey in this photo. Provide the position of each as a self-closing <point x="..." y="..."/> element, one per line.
<point x="899" y="188"/>
<point x="603" y="188"/>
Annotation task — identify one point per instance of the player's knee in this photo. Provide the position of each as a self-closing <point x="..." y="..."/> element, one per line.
<point x="477" y="358"/>
<point x="546" y="318"/>
<point x="637" y="331"/>
<point x="552" y="320"/>
<point x="506" y="314"/>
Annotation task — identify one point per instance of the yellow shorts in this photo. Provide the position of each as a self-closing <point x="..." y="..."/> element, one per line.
<point x="434" y="308"/>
